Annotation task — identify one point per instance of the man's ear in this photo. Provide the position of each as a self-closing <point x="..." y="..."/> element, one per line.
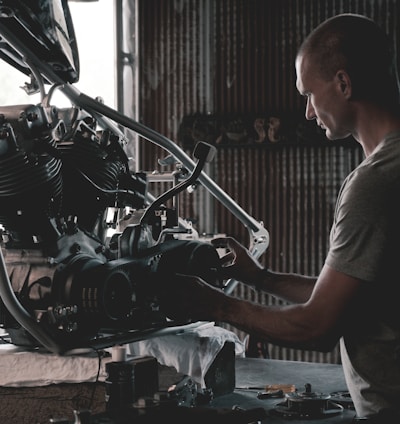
<point x="344" y="82"/>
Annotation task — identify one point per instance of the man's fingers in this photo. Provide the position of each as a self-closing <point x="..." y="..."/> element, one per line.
<point x="227" y="272"/>
<point x="221" y="241"/>
<point x="227" y="242"/>
<point x="227" y="259"/>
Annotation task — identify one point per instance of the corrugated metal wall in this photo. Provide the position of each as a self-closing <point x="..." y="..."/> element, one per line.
<point x="236" y="58"/>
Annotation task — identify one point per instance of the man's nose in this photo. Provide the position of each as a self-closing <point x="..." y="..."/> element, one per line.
<point x="310" y="113"/>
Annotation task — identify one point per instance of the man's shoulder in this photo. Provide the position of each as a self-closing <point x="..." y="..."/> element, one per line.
<point x="382" y="166"/>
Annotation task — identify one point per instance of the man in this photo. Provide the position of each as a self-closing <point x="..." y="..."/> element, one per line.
<point x="346" y="72"/>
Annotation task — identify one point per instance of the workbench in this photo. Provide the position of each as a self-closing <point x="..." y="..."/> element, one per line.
<point x="252" y="375"/>
<point x="36" y="405"/>
<point x="252" y="372"/>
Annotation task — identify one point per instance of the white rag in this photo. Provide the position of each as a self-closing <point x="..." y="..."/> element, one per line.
<point x="191" y="352"/>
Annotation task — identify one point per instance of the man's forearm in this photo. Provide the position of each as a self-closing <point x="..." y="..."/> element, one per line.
<point x="293" y="288"/>
<point x="287" y="325"/>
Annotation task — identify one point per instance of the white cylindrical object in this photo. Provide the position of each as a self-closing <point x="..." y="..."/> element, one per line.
<point x="118" y="353"/>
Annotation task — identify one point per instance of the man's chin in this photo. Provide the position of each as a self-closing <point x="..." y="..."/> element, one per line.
<point x="332" y="137"/>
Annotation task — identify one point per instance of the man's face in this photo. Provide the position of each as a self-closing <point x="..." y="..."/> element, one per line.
<point x="326" y="102"/>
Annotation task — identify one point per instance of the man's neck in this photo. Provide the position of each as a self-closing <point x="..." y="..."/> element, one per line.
<point x="373" y="125"/>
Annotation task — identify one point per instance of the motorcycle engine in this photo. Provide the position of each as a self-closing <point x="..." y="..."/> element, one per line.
<point x="80" y="259"/>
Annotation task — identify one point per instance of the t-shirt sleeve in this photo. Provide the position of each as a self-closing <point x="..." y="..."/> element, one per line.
<point x="359" y="232"/>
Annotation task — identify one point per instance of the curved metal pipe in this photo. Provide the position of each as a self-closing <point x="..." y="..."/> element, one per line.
<point x="20" y="314"/>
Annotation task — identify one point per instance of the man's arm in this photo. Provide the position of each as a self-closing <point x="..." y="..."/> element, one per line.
<point x="239" y="264"/>
<point x="293" y="288"/>
<point x="316" y="324"/>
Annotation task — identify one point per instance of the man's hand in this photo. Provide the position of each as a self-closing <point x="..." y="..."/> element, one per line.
<point x="238" y="264"/>
<point x="187" y="297"/>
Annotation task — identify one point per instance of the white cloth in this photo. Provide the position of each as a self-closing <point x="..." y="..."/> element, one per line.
<point x="191" y="352"/>
<point x="22" y="368"/>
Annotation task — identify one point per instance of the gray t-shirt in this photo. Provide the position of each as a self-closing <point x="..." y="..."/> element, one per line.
<point x="365" y="243"/>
